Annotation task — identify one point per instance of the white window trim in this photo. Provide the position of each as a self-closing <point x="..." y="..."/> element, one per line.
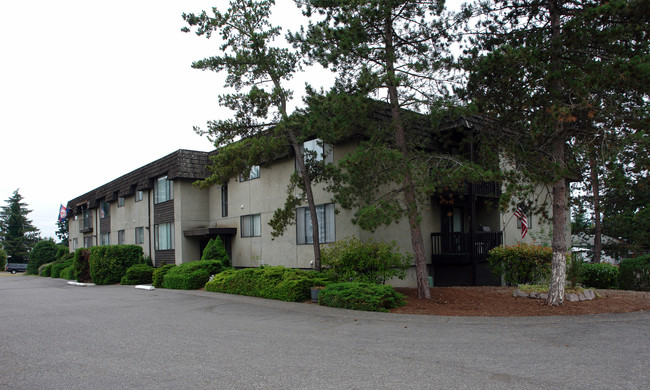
<point x="251" y="225"/>
<point x="326" y="224"/>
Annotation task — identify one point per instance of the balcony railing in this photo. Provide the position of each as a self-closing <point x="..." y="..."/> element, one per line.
<point x="463" y="247"/>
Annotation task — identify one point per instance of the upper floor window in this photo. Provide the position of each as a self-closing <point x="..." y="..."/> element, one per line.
<point x="163" y="190"/>
<point x="104" y="209"/>
<point x="120" y="201"/>
<point x="251" y="225"/>
<point x="224" y="200"/>
<point x="317" y="151"/>
<point x="254" y="174"/>
<point x="139" y="195"/>
<point x="164" y="236"/>
<point x="86" y="220"/>
<point x="326" y="224"/>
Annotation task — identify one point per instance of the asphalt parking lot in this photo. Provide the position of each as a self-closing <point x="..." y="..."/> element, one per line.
<point x="57" y="336"/>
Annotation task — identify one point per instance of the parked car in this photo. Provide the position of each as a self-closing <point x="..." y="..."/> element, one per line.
<point x="16" y="267"/>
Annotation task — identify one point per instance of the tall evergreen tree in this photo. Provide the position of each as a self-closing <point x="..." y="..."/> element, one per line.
<point x="17" y="233"/>
<point x="556" y="74"/>
<point x="258" y="70"/>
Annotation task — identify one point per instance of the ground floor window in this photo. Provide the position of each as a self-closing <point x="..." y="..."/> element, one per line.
<point x="139" y="235"/>
<point x="88" y="242"/>
<point x="120" y="237"/>
<point x="105" y="239"/>
<point x="164" y="236"/>
<point x="251" y="225"/>
<point x="326" y="224"/>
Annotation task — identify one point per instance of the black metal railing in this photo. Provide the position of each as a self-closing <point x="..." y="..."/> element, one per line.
<point x="452" y="247"/>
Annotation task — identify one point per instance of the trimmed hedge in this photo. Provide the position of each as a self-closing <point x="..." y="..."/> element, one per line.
<point x="44" y="252"/>
<point x="634" y="274"/>
<point x="159" y="274"/>
<point x="108" y="263"/>
<point x="45" y="270"/>
<point x="285" y="284"/>
<point x="215" y="250"/>
<point x="521" y="264"/>
<point x="360" y="296"/>
<point x="599" y="275"/>
<point x="68" y="272"/>
<point x="192" y="275"/>
<point x="372" y="262"/>
<point x="82" y="265"/>
<point x="58" y="266"/>
<point x="138" y="274"/>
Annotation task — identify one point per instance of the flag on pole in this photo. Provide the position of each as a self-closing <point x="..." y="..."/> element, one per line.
<point x="519" y="213"/>
<point x="63" y="213"/>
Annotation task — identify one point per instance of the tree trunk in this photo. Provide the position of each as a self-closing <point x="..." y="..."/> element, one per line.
<point x="595" y="187"/>
<point x="410" y="198"/>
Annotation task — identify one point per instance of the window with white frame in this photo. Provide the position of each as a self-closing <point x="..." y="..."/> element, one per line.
<point x="75" y="244"/>
<point x="105" y="239"/>
<point x="164" y="236"/>
<point x="139" y="235"/>
<point x="120" y="237"/>
<point x="163" y="190"/>
<point x="251" y="225"/>
<point x="326" y="224"/>
<point x="316" y="150"/>
<point x="139" y="195"/>
<point x="253" y="174"/>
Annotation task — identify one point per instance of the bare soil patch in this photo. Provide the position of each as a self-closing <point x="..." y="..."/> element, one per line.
<point x="499" y="302"/>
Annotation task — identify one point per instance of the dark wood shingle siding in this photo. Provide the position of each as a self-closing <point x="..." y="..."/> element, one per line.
<point x="163" y="212"/>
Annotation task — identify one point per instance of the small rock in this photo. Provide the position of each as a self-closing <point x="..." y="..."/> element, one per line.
<point x="543" y="296"/>
<point x="534" y="295"/>
<point x="571" y="297"/>
<point x="589" y="294"/>
<point x="582" y="297"/>
<point x="519" y="294"/>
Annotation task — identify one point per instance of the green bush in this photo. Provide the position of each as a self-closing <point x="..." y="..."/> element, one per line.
<point x="45" y="270"/>
<point x="360" y="296"/>
<point x="61" y="250"/>
<point x="599" y="275"/>
<point x="108" y="263"/>
<point x="159" y="275"/>
<point x="3" y="259"/>
<point x="634" y="274"/>
<point x="82" y="265"/>
<point x="138" y="274"/>
<point x="574" y="270"/>
<point x="215" y="250"/>
<point x="285" y="284"/>
<point x="371" y="262"/>
<point x="521" y="264"/>
<point x="44" y="252"/>
<point x="58" y="266"/>
<point x="68" y="272"/>
<point x="192" y="275"/>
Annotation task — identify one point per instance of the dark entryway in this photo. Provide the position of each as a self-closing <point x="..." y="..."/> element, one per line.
<point x="203" y="235"/>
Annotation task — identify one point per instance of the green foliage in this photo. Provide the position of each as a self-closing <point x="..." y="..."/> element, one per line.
<point x="600" y="275"/>
<point x="360" y="296"/>
<point x="215" y="250"/>
<point x="68" y="272"/>
<point x="635" y="274"/>
<point x="521" y="264"/>
<point x="3" y="259"/>
<point x="574" y="270"/>
<point x="17" y="233"/>
<point x="159" y="275"/>
<point x="58" y="267"/>
<point x="44" y="252"/>
<point x="109" y="263"/>
<point x="286" y="284"/>
<point x="61" y="250"/>
<point x="138" y="274"/>
<point x="45" y="270"/>
<point x="81" y="265"/>
<point x="372" y="262"/>
<point x="192" y="275"/>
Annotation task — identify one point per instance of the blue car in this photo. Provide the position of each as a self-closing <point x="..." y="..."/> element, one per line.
<point x="16" y="267"/>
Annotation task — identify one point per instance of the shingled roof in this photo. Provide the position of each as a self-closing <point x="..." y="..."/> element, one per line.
<point x="181" y="164"/>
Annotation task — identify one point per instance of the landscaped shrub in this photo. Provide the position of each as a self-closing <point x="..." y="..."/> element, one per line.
<point x="574" y="270"/>
<point x="45" y="270"/>
<point x="360" y="296"/>
<point x="61" y="250"/>
<point x="44" y="252"/>
<point x="371" y="262"/>
<point x="600" y="275"/>
<point x="521" y="264"/>
<point x="215" y="250"/>
<point x="286" y="284"/>
<point x="3" y="259"/>
<point x="108" y="263"/>
<point x="192" y="275"/>
<point x="138" y="274"/>
<point x="635" y="274"/>
<point x="68" y="272"/>
<point x="159" y="274"/>
<point x="82" y="265"/>
<point x="58" y="266"/>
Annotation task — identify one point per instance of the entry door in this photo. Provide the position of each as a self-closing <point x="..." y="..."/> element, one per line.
<point x="452" y="228"/>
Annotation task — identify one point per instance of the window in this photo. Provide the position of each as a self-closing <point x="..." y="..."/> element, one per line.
<point x="104" y="209"/>
<point x="75" y="244"/>
<point x="88" y="242"/>
<point x="105" y="239"/>
<point x="529" y="218"/>
<point x="120" y="201"/>
<point x="120" y="237"/>
<point x="163" y="190"/>
<point x="139" y="235"/>
<point x="224" y="201"/>
<point x="254" y="174"/>
<point x="139" y="195"/>
<point x="326" y="224"/>
<point x="164" y="236"/>
<point x="316" y="150"/>
<point x="251" y="225"/>
<point x="86" y="221"/>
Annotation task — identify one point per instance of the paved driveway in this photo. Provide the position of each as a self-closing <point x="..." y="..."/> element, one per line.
<point x="56" y="336"/>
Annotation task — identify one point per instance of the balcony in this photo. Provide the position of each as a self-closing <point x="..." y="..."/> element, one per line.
<point x="463" y="248"/>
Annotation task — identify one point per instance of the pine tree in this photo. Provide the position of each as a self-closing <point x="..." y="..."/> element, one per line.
<point x="17" y="233"/>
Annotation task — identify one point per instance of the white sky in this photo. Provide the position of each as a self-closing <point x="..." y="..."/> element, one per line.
<point x="90" y="91"/>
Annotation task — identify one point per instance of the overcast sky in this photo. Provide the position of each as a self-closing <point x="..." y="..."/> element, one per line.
<point x="90" y="91"/>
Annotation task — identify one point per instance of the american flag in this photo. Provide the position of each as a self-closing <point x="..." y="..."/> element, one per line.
<point x="519" y="213"/>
